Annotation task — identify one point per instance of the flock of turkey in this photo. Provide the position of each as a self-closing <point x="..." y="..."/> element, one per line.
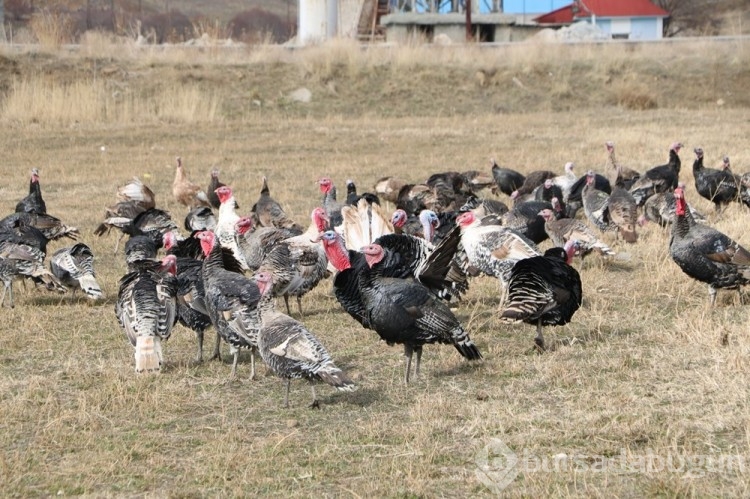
<point x="400" y="275"/>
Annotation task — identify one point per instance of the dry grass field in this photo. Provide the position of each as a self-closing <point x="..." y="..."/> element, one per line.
<point x="645" y="393"/>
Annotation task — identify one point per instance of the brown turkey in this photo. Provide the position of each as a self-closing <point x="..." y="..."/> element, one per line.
<point x="186" y="192"/>
<point x="571" y="229"/>
<point x="619" y="175"/>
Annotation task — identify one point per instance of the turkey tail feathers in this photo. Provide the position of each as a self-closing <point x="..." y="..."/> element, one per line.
<point x="337" y="379"/>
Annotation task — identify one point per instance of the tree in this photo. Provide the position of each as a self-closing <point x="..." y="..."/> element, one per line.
<point x="689" y="15"/>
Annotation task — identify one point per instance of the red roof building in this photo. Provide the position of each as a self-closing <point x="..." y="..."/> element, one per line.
<point x="637" y="19"/>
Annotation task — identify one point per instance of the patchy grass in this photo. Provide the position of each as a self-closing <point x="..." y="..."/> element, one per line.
<point x="640" y="371"/>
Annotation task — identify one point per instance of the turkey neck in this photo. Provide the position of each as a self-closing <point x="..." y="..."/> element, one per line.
<point x="681" y="225"/>
<point x="698" y="165"/>
<point x="213" y="261"/>
<point x="674" y="160"/>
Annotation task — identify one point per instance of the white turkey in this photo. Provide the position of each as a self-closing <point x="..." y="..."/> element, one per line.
<point x="226" y="225"/>
<point x="492" y="249"/>
<point x="146" y="309"/>
<point x="74" y="266"/>
<point x="291" y="350"/>
<point x="544" y="291"/>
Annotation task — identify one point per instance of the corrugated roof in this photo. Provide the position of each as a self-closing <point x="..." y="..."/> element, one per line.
<point x="581" y="9"/>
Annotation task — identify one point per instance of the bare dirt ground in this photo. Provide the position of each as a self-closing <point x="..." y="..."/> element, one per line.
<point x="645" y="375"/>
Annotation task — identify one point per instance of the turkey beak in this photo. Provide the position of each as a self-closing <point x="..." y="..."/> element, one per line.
<point x="317" y="239"/>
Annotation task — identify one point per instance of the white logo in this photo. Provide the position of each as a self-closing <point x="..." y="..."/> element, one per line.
<point x="497" y="465"/>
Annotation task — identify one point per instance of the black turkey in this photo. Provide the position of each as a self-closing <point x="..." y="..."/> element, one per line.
<point x="231" y="299"/>
<point x="705" y="254"/>
<point x="506" y="179"/>
<point x="718" y="186"/>
<point x="544" y="290"/>
<point x="659" y="178"/>
<point x="401" y="311"/>
<point x="33" y="202"/>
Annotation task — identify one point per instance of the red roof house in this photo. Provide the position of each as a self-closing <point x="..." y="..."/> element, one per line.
<point x="636" y="19"/>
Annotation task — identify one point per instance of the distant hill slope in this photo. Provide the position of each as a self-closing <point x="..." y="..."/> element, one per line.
<point x="222" y="10"/>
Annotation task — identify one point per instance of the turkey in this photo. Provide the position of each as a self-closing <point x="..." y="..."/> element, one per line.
<point x="484" y="207"/>
<point x="74" y="267"/>
<point x="20" y="260"/>
<point x="192" y="311"/>
<point x="659" y="178"/>
<point x="146" y="309"/>
<point x="506" y="179"/>
<point x="231" y="299"/>
<point x="134" y="198"/>
<point x="352" y="198"/>
<point x="330" y="204"/>
<point x="387" y="188"/>
<point x="364" y="223"/>
<point x="256" y="244"/>
<point x="571" y="229"/>
<point x="268" y="212"/>
<point x="524" y="219"/>
<point x="718" y="186"/>
<point x="186" y="192"/>
<point x="575" y="201"/>
<point x="450" y="189"/>
<point x="141" y="248"/>
<point x="544" y="291"/>
<point x="151" y="220"/>
<point x="226" y="225"/>
<point x="620" y="175"/>
<point x="566" y="181"/>
<point x="33" y="202"/>
<point x="660" y="209"/>
<point x="213" y="184"/>
<point x="428" y="225"/>
<point x="532" y="181"/>
<point x="414" y="198"/>
<point x="705" y="254"/>
<point x="298" y="264"/>
<point x="291" y="350"/>
<point x="401" y="311"/>
<point x="608" y="213"/>
<point x="549" y="190"/>
<point x="623" y="213"/>
<point x="23" y="250"/>
<point x="201" y="218"/>
<point x="51" y="227"/>
<point x="492" y="249"/>
<point x="475" y="181"/>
